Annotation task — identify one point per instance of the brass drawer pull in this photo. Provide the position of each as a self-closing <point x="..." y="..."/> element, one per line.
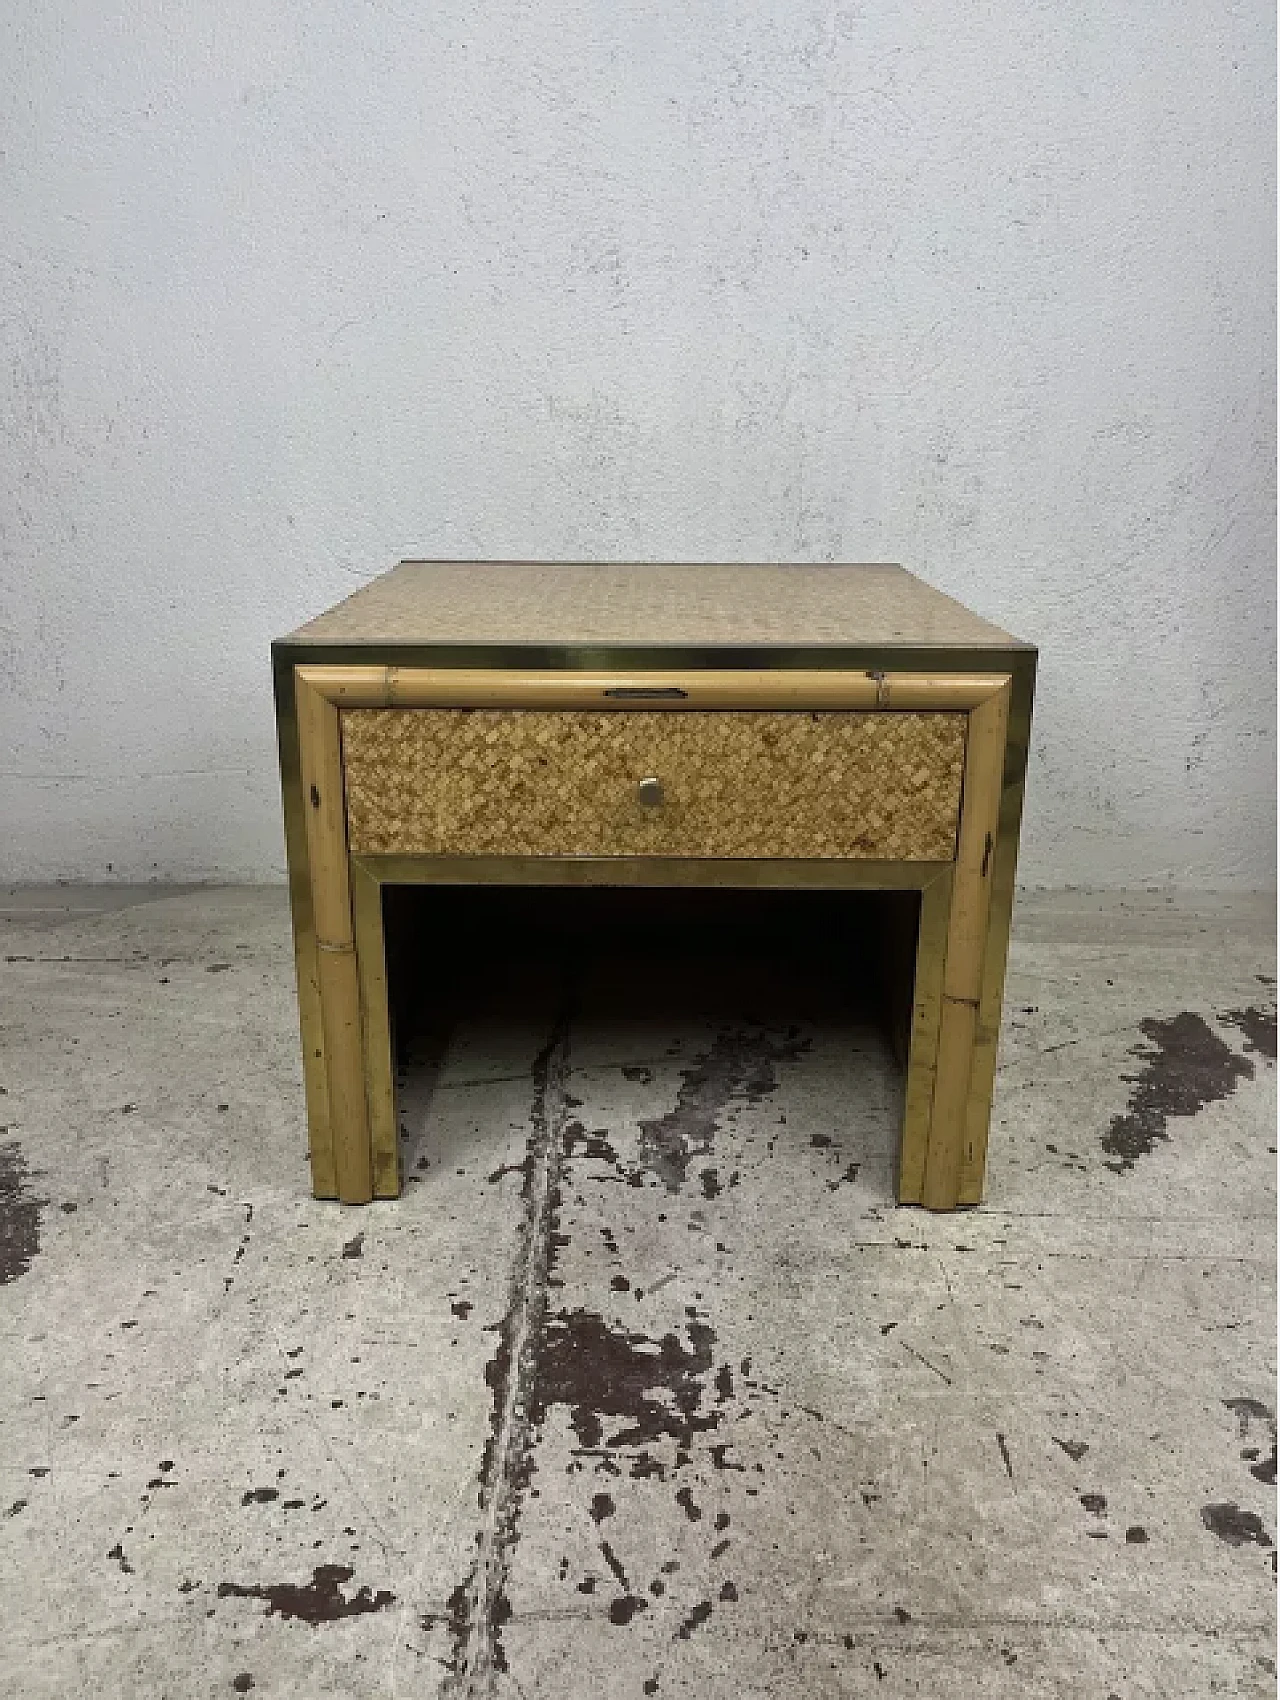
<point x="643" y="693"/>
<point x="649" y="791"/>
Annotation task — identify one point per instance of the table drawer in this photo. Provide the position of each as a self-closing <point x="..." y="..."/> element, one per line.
<point x="794" y="784"/>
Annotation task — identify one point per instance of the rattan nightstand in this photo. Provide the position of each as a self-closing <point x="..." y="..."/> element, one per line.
<point x="582" y="724"/>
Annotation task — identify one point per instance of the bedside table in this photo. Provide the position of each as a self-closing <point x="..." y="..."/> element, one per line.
<point x="838" y="727"/>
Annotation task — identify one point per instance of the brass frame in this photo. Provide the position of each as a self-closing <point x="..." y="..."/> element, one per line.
<point x="965" y="910"/>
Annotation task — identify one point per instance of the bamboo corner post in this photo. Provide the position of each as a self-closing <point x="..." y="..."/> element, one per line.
<point x="323" y="790"/>
<point x="966" y="945"/>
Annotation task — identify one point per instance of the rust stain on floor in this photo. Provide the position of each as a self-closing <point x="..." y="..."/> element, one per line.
<point x="1185" y="1065"/>
<point x="19" y="1215"/>
<point x="321" y="1600"/>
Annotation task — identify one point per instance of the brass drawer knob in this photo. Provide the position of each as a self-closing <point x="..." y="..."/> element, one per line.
<point x="649" y="791"/>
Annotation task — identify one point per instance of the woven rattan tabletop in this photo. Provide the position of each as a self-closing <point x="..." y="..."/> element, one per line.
<point x="568" y="603"/>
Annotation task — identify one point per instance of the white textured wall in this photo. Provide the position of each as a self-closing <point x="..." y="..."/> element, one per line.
<point x="289" y="291"/>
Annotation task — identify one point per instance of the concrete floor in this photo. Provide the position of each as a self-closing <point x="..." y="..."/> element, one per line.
<point x="645" y="1386"/>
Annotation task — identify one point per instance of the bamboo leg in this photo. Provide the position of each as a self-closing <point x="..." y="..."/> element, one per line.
<point x="982" y="1076"/>
<point x="324" y="1176"/>
<point x="320" y="739"/>
<point x="323" y="1180"/>
<point x="966" y="947"/>
<point x="380" y="1094"/>
<point x="926" y="1009"/>
<point x="987" y="1033"/>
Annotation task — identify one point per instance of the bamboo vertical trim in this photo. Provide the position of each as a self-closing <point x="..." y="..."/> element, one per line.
<point x="320" y="745"/>
<point x="324" y="1182"/>
<point x="966" y="947"/>
<point x="987" y="1038"/>
<point x="324" y="1175"/>
<point x="922" y="1054"/>
<point x="978" y="1112"/>
<point x="340" y="996"/>
<point x="379" y="1074"/>
<point x="987" y="1032"/>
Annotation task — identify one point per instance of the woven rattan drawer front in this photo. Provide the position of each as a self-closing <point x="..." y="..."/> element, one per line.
<point x="565" y="783"/>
